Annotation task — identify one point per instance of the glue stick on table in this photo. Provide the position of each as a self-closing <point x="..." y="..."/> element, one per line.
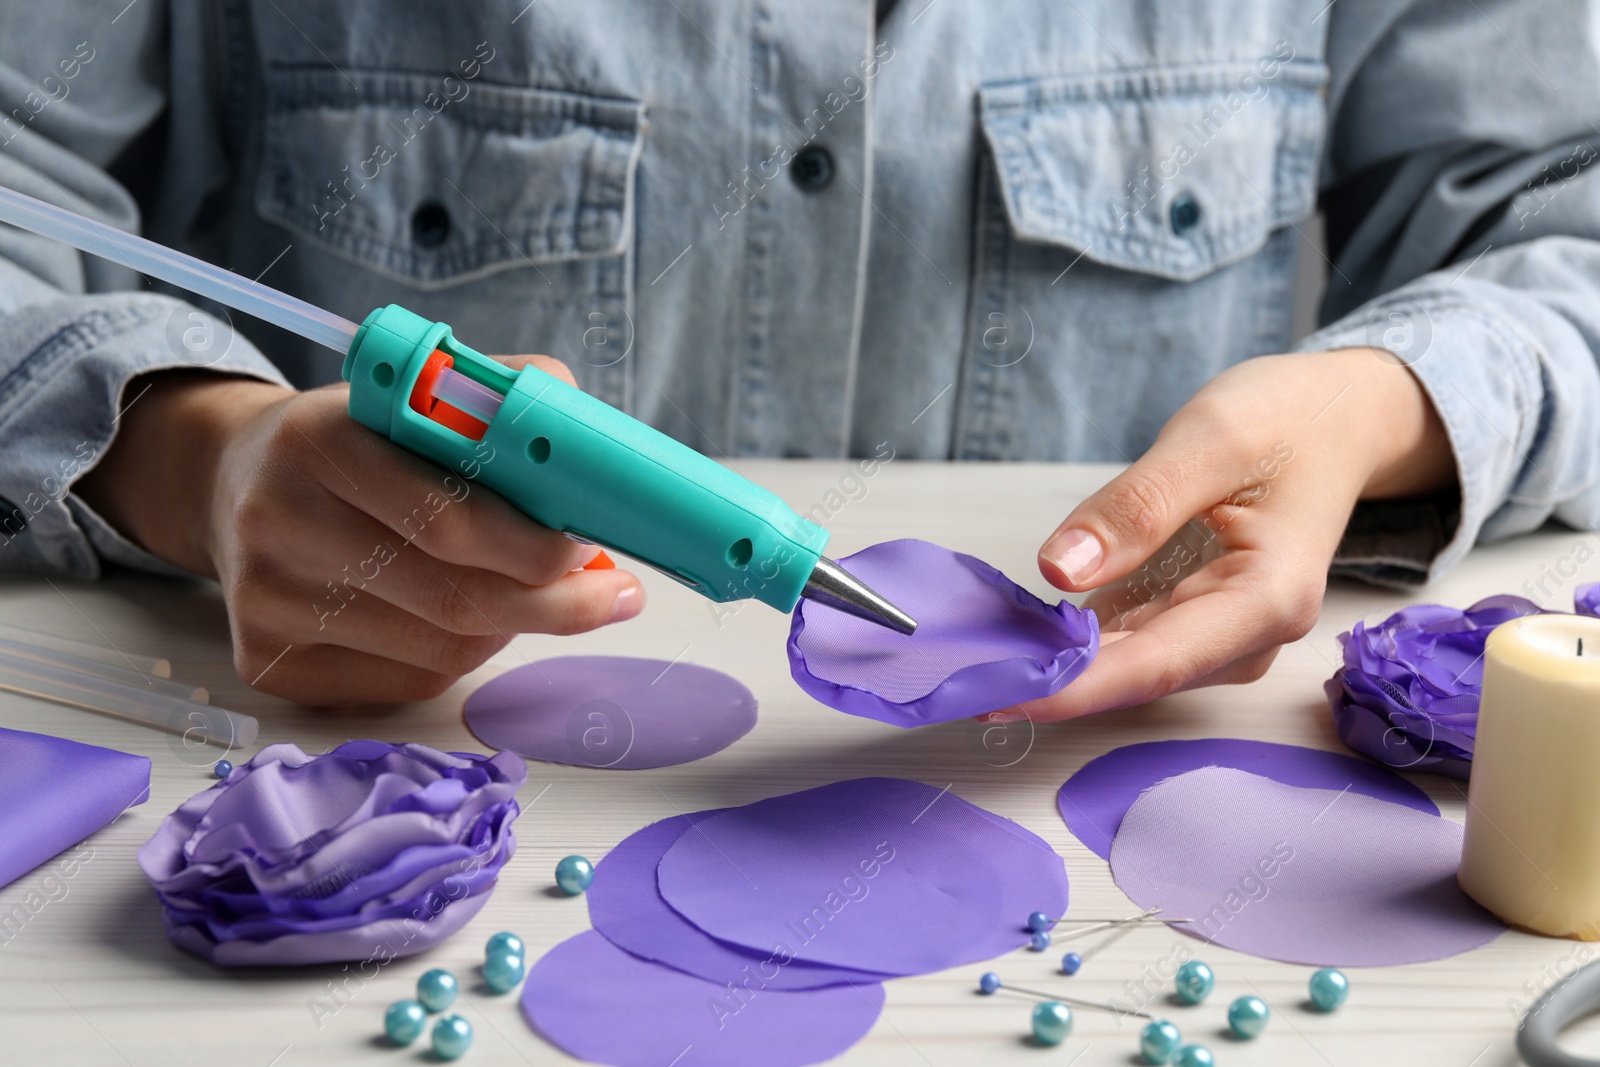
<point x="1531" y="852"/>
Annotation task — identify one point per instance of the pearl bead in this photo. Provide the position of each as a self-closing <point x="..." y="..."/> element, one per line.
<point x="1039" y="941"/>
<point x="504" y="941"/>
<point x="404" y="1022"/>
<point x="452" y="1036"/>
<point x="1158" y="1041"/>
<point x="574" y="874"/>
<point x="1052" y="1022"/>
<point x="222" y="768"/>
<point x="502" y="971"/>
<point x="1070" y="963"/>
<point x="988" y="983"/>
<point x="1038" y="922"/>
<point x="1194" y="982"/>
<point x="1247" y="1017"/>
<point x="1193" y="1056"/>
<point x="1329" y="988"/>
<point x="437" y="989"/>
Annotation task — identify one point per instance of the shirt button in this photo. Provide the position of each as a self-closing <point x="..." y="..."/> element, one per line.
<point x="1185" y="213"/>
<point x="430" y="225"/>
<point x="812" y="169"/>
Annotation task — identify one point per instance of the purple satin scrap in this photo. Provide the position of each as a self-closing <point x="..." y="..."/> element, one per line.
<point x="369" y="851"/>
<point x="1587" y="599"/>
<point x="611" y="712"/>
<point x="1408" y="692"/>
<point x="55" y="792"/>
<point x="982" y="643"/>
<point x="874" y="874"/>
<point x="1096" y="798"/>
<point x="1321" y="877"/>
<point x="627" y="909"/>
<point x="600" y="1004"/>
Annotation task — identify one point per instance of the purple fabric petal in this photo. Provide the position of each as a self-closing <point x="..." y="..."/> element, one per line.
<point x="1587" y="599"/>
<point x="982" y="643"/>
<point x="612" y="712"/>
<point x="875" y="874"/>
<point x="309" y="859"/>
<point x="55" y="792"/>
<point x="1095" y="799"/>
<point x="600" y="1004"/>
<point x="626" y="907"/>
<point x="1312" y="876"/>
<point x="1407" y="695"/>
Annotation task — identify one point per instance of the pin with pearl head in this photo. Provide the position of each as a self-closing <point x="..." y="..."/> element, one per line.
<point x="990" y="984"/>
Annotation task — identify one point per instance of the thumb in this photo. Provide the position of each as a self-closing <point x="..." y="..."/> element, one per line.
<point x="1127" y="521"/>
<point x="545" y="363"/>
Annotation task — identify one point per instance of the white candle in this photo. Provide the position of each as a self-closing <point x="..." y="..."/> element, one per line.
<point x="1531" y="852"/>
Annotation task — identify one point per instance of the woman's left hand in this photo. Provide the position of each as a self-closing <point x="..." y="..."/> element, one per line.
<point x="1268" y="460"/>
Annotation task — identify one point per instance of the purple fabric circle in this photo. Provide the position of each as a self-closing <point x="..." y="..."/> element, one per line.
<point x="626" y="907"/>
<point x="601" y="1004"/>
<point x="1587" y="599"/>
<point x="370" y="850"/>
<point x="1407" y="694"/>
<point x="611" y="712"/>
<point x="1322" y="877"/>
<point x="876" y="874"/>
<point x="1094" y="800"/>
<point x="982" y="643"/>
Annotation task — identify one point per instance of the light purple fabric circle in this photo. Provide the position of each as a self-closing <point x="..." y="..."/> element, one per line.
<point x="626" y="907"/>
<point x="600" y="1004"/>
<point x="982" y="643"/>
<point x="611" y="712"/>
<point x="1094" y="800"/>
<point x="876" y="874"/>
<point x="1322" y="877"/>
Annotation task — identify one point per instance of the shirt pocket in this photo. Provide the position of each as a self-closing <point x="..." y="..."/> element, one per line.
<point x="437" y="180"/>
<point x="1172" y="172"/>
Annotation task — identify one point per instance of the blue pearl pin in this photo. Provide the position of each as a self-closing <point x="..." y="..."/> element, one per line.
<point x="1039" y="941"/>
<point x="222" y="768"/>
<point x="1070" y="963"/>
<point x="988" y="983"/>
<point x="437" y="989"/>
<point x="574" y="874"/>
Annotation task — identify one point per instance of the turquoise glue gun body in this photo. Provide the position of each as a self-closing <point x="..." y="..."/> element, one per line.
<point x="578" y="465"/>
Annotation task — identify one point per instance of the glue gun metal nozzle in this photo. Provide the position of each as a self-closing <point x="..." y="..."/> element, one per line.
<point x="836" y="587"/>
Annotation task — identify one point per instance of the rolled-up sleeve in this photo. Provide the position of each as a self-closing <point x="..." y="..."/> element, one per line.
<point x="1464" y="230"/>
<point x="79" y="84"/>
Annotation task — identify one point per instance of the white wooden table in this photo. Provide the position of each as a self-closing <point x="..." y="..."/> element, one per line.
<point x="91" y="978"/>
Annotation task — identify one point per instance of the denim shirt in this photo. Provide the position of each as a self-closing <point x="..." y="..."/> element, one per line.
<point x="973" y="230"/>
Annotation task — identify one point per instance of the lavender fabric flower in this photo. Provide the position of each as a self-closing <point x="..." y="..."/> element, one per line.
<point x="1408" y="692"/>
<point x="1588" y="599"/>
<point x="369" y="852"/>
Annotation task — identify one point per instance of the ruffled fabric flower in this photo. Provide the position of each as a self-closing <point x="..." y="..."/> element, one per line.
<point x="982" y="643"/>
<point x="369" y="852"/>
<point x="1407" y="695"/>
<point x="1588" y="599"/>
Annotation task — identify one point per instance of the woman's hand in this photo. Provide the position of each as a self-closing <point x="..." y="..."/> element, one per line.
<point x="1268" y="460"/>
<point x="353" y="572"/>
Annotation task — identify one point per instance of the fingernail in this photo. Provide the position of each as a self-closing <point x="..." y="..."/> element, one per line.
<point x="629" y="602"/>
<point x="1005" y="716"/>
<point x="586" y="554"/>
<point x="1077" y="553"/>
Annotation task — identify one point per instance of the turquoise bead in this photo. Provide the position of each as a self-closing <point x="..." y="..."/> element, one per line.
<point x="502" y="971"/>
<point x="504" y="941"/>
<point x="437" y="989"/>
<point x="1039" y="941"/>
<point x="1194" y="982"/>
<point x="1193" y="1056"/>
<point x="452" y="1036"/>
<point x="1247" y="1017"/>
<point x="1052" y="1022"/>
<point x="1329" y="988"/>
<point x="1038" y="922"/>
<point x="1158" y="1041"/>
<point x="989" y="983"/>
<point x="574" y="874"/>
<point x="1070" y="963"/>
<point x="404" y="1022"/>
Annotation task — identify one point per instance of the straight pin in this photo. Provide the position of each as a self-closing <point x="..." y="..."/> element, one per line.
<point x="990" y="983"/>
